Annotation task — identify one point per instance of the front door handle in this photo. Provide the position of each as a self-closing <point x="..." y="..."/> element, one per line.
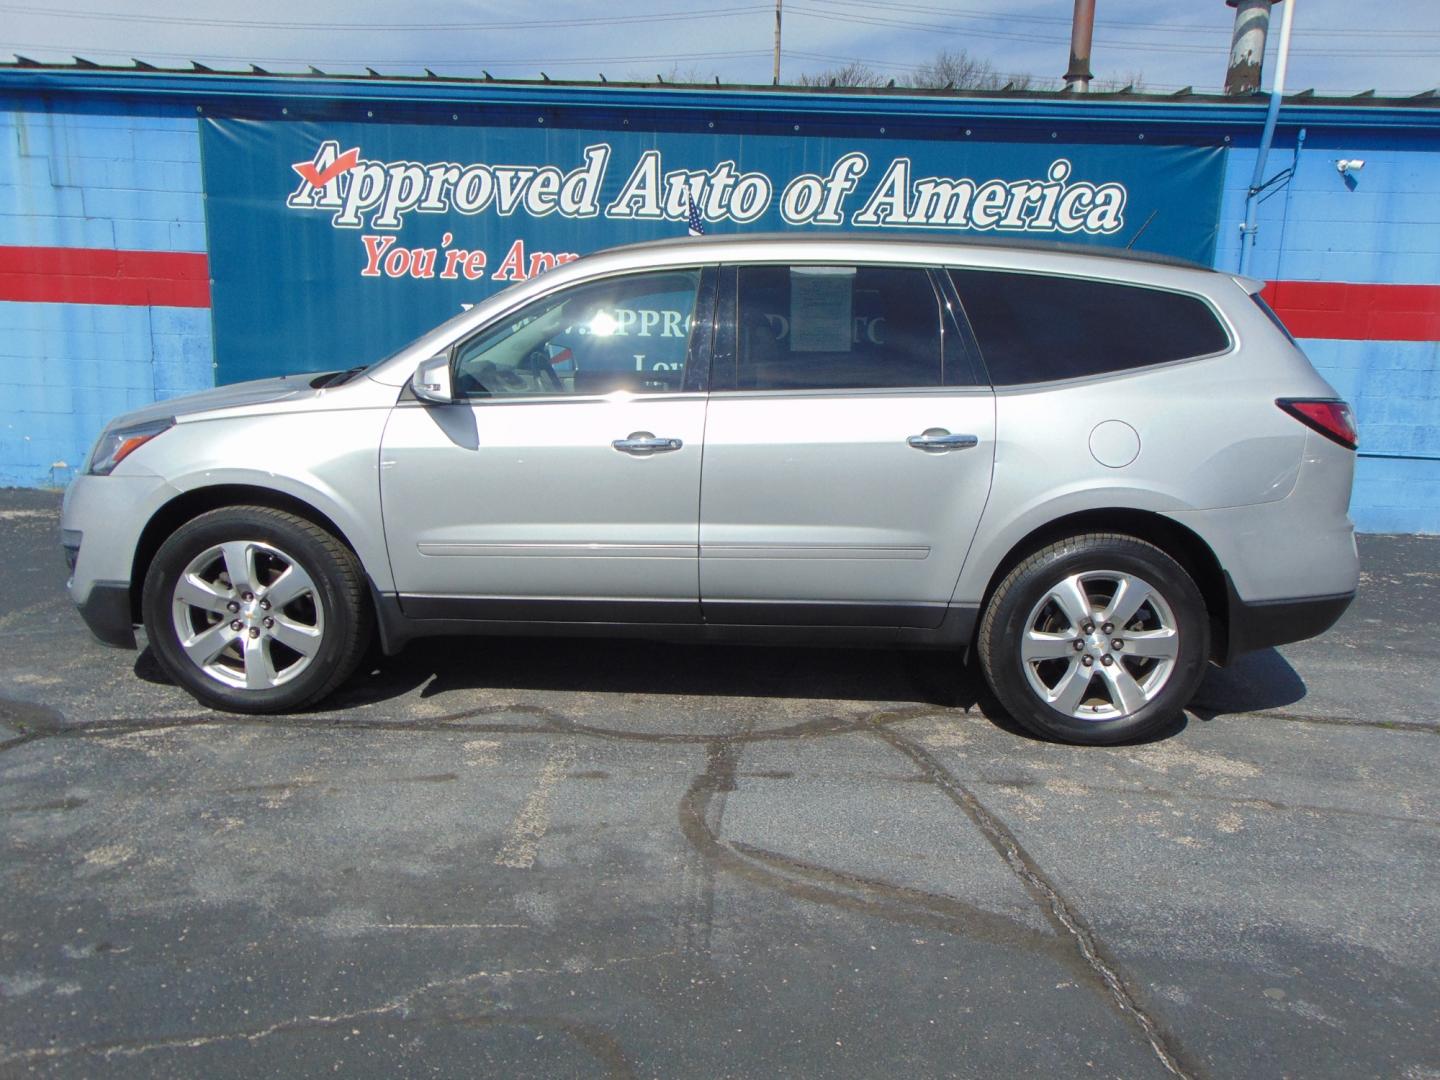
<point x="643" y="442"/>
<point x="940" y="439"/>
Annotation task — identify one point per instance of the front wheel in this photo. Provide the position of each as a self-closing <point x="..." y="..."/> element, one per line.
<point x="255" y="610"/>
<point x="1095" y="639"/>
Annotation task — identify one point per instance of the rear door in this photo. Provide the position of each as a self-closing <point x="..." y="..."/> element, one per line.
<point x="848" y="449"/>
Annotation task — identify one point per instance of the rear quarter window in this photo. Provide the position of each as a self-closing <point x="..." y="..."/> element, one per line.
<point x="1040" y="327"/>
<point x="1269" y="313"/>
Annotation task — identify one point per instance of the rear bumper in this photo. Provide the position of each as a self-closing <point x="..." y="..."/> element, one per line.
<point x="106" y="611"/>
<point x="1259" y="624"/>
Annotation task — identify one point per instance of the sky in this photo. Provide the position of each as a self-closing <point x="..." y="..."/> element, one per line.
<point x="1339" y="46"/>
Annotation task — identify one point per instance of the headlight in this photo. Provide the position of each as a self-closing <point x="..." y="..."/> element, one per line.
<point x="116" y="444"/>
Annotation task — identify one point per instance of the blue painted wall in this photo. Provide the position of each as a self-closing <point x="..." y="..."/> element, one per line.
<point x="127" y="180"/>
<point x="1383" y="228"/>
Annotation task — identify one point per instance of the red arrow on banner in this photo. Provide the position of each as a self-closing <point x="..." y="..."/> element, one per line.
<point x="315" y="178"/>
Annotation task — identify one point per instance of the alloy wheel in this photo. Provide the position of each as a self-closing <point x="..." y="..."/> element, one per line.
<point x="248" y="615"/>
<point x="1100" y="645"/>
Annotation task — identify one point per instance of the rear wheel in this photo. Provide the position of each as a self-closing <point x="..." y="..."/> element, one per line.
<point x="256" y="610"/>
<point x="1095" y="639"/>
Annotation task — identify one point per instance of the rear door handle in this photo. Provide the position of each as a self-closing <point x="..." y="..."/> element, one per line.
<point x="940" y="439"/>
<point x="643" y="442"/>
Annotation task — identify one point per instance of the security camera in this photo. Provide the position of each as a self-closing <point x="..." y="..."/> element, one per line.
<point x="1349" y="165"/>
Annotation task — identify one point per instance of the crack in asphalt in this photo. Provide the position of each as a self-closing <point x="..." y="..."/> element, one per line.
<point x="801" y="880"/>
<point x="1057" y="909"/>
<point x="37" y="721"/>
<point x="804" y="881"/>
<point x="604" y="1046"/>
<point x="1253" y="801"/>
<point x="821" y="885"/>
<point x="1074" y="940"/>
<point x="1205" y="713"/>
<point x="41" y="722"/>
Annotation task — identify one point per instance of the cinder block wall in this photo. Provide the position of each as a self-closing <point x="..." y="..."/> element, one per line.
<point x="1377" y="338"/>
<point x="85" y="199"/>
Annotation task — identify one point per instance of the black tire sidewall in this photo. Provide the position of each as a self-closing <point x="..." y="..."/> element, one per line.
<point x="295" y="540"/>
<point x="1005" y="668"/>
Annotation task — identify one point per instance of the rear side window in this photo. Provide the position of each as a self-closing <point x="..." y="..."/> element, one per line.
<point x="1038" y="327"/>
<point x="836" y="327"/>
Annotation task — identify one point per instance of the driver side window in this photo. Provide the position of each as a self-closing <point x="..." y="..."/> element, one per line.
<point x="624" y="333"/>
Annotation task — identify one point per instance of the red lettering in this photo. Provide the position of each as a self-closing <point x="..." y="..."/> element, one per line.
<point x="375" y="247"/>
<point x="452" y="260"/>
<point x="513" y="267"/>
<point x="474" y="265"/>
<point x="397" y="262"/>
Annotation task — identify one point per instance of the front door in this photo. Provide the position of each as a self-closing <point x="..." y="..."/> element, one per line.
<point x="563" y="483"/>
<point x="848" y="449"/>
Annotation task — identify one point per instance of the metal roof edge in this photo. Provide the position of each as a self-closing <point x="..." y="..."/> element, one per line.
<point x="915" y="238"/>
<point x="202" y="87"/>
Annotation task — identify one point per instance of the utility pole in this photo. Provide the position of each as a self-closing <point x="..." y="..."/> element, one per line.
<point x="775" y="78"/>
<point x="1082" y="29"/>
<point x="1247" y="45"/>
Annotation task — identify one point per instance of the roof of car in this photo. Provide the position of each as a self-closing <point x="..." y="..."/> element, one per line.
<point x="1042" y="247"/>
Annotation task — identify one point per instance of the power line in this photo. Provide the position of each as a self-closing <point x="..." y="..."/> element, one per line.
<point x="890" y="65"/>
<point x="257" y="24"/>
<point x="859" y="17"/>
<point x="533" y="62"/>
<point x="1152" y="46"/>
<point x="549" y="61"/>
<point x="1064" y="21"/>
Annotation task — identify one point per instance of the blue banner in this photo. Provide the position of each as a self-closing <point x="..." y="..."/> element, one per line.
<point x="332" y="244"/>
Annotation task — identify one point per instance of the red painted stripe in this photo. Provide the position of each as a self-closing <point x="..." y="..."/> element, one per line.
<point x="59" y="275"/>
<point x="1338" y="309"/>
<point x="1311" y="309"/>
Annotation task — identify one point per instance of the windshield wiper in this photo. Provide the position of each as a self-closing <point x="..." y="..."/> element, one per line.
<point x="335" y="378"/>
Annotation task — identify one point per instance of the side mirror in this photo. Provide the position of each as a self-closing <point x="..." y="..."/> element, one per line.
<point x="432" y="380"/>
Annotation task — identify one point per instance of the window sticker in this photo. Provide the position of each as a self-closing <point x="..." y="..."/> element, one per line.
<point x="821" y="308"/>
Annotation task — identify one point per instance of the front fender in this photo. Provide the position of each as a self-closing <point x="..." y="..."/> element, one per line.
<point x="327" y="460"/>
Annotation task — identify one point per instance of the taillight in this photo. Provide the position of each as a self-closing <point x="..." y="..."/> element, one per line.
<point x="1329" y="417"/>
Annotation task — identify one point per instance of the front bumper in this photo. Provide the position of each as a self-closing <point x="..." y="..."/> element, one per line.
<point x="101" y="523"/>
<point x="1260" y="624"/>
<point x="106" y="612"/>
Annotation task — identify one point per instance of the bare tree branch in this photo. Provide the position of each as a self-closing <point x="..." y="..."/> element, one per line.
<point x="947" y="70"/>
<point x="854" y="73"/>
<point x="1111" y="84"/>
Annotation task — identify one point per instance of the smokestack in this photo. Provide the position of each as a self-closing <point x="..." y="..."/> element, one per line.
<point x="1247" y="45"/>
<point x="1077" y="79"/>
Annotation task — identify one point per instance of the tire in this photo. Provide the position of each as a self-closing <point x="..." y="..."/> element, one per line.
<point x="1096" y="693"/>
<point x="255" y="610"/>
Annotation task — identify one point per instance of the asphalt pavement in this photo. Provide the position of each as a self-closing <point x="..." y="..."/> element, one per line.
<point x="581" y="858"/>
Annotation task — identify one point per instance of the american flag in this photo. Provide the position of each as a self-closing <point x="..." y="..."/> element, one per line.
<point x="696" y="226"/>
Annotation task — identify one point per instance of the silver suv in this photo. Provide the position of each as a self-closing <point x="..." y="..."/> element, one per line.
<point x="1095" y="473"/>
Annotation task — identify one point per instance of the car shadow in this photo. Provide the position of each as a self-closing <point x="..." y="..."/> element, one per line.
<point x="441" y="665"/>
<point x="437" y="666"/>
<point x="1255" y="682"/>
<point x="433" y="667"/>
